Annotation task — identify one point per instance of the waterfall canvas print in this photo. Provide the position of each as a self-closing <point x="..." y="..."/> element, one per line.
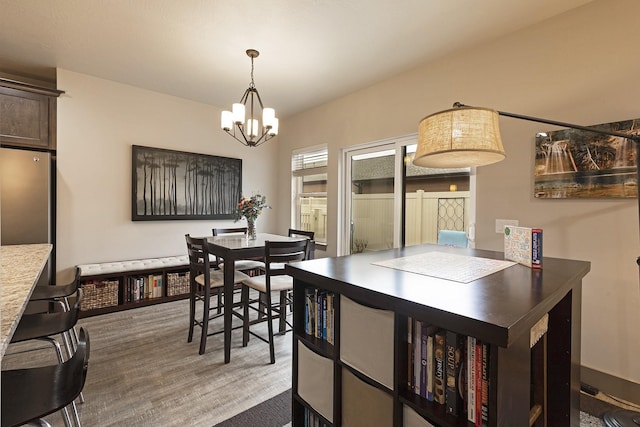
<point x="571" y="163"/>
<point x="172" y="185"/>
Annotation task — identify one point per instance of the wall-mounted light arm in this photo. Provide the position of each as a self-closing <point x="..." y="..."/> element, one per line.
<point x="634" y="138"/>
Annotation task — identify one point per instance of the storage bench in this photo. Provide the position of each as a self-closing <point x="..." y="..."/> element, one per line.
<point x="113" y="286"/>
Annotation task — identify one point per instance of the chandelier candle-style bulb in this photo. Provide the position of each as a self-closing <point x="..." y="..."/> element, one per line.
<point x="268" y="116"/>
<point x="226" y="120"/>
<point x="274" y="128"/>
<point x="238" y="113"/>
<point x="243" y="121"/>
<point x="252" y="128"/>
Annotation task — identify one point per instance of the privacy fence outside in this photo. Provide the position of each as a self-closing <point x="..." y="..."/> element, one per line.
<point x="426" y="214"/>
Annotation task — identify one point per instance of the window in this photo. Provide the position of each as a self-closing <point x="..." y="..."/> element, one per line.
<point x="309" y="192"/>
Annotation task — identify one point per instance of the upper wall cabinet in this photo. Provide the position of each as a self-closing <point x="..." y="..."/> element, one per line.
<point x="27" y="115"/>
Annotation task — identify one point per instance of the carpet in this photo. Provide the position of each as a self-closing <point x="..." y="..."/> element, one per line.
<point x="275" y="412"/>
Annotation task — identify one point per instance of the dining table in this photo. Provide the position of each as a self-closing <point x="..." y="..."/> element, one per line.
<point x="20" y="269"/>
<point x="231" y="248"/>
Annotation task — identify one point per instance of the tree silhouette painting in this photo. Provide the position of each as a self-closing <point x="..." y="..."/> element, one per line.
<point x="573" y="163"/>
<point x="169" y="184"/>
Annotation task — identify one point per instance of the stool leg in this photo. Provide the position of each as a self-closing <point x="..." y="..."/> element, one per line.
<point x="67" y="345"/>
<point x="283" y="312"/>
<point x="270" y="326"/>
<point x="56" y="346"/>
<point x="192" y="311"/>
<point x="244" y="297"/>
<point x="65" y="417"/>
<point x="205" y="319"/>
<point x="76" y="417"/>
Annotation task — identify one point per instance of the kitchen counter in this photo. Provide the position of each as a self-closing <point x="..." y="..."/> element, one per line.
<point x="20" y="268"/>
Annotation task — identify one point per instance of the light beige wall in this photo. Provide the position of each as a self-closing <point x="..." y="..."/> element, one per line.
<point x="98" y="122"/>
<point x="581" y="68"/>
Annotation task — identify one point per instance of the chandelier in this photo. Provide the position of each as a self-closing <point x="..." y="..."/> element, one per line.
<point x="249" y="132"/>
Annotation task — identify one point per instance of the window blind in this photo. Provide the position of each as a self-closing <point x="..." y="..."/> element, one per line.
<point x="309" y="162"/>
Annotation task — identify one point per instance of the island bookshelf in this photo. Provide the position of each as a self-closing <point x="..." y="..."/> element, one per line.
<point x="361" y="378"/>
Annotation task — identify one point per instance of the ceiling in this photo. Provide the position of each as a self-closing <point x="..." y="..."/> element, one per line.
<point x="311" y="51"/>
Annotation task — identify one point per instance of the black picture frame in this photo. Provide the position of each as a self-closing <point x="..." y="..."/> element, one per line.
<point x="177" y="185"/>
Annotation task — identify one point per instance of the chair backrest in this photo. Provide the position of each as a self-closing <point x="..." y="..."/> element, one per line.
<point x="222" y="231"/>
<point x="280" y="253"/>
<point x="309" y="235"/>
<point x="74" y="370"/>
<point x="199" y="262"/>
<point x="453" y="238"/>
<point x="40" y="391"/>
<point x="302" y="233"/>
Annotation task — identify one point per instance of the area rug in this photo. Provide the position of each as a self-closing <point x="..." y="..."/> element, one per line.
<point x="275" y="412"/>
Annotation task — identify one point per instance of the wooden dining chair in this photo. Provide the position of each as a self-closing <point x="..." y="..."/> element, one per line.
<point x="309" y="235"/>
<point x="205" y="281"/>
<point x="275" y="279"/>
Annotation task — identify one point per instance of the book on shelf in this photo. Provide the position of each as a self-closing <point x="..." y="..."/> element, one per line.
<point x="471" y="379"/>
<point x="410" y="354"/>
<point x="319" y="314"/>
<point x="430" y="364"/>
<point x="309" y="311"/>
<point x="423" y="360"/>
<point x="485" y="384"/>
<point x="454" y="387"/>
<point x="478" y="383"/>
<point x="417" y="356"/>
<point x="523" y="245"/>
<point x="439" y="367"/>
<point x="329" y="317"/>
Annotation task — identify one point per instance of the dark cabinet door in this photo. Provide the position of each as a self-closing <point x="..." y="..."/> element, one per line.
<point x="24" y="118"/>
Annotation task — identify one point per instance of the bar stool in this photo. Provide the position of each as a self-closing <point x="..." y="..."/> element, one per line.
<point x="44" y="327"/>
<point x="33" y="393"/>
<point x="274" y="280"/>
<point x="204" y="280"/>
<point x="54" y="295"/>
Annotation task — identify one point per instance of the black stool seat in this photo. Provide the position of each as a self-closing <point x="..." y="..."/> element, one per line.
<point x="33" y="326"/>
<point x="29" y="394"/>
<point x="44" y="297"/>
<point x="45" y="292"/>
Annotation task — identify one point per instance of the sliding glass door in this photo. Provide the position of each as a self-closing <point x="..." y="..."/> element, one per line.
<point x="387" y="202"/>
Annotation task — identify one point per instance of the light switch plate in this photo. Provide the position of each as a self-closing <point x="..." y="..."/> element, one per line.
<point x="500" y="223"/>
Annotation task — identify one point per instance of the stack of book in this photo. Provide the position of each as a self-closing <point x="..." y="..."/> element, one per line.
<point x="449" y="369"/>
<point x="319" y="315"/>
<point x="141" y="288"/>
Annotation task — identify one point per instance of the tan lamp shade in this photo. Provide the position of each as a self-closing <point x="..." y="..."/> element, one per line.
<point x="459" y="137"/>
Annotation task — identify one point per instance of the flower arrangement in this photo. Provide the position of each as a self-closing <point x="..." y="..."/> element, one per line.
<point x="251" y="207"/>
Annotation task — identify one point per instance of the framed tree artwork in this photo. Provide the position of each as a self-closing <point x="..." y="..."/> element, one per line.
<point x="573" y="163"/>
<point x="176" y="185"/>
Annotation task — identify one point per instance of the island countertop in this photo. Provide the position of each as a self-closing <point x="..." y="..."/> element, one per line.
<point x="20" y="268"/>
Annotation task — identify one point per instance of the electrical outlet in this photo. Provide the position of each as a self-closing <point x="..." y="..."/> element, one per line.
<point x="500" y="223"/>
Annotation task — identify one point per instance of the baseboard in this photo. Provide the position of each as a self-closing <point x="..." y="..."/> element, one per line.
<point x="611" y="385"/>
